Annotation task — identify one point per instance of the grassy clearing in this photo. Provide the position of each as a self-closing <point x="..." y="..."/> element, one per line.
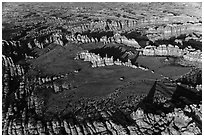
<point x="160" y="66"/>
<point x="59" y="60"/>
<point x="99" y="82"/>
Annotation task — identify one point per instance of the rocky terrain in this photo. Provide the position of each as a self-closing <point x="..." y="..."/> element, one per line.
<point x="101" y="68"/>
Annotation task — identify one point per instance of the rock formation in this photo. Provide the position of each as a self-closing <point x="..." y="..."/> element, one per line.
<point x="41" y="100"/>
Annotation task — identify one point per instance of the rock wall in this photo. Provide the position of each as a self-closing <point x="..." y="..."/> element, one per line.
<point x="24" y="112"/>
<point x="175" y="51"/>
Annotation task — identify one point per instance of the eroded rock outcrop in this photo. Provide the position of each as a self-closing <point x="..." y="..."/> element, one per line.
<point x="25" y="100"/>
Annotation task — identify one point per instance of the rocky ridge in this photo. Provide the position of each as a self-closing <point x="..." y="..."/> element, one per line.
<point x="24" y="112"/>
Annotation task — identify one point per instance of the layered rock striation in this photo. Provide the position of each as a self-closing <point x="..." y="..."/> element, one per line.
<point x="39" y="104"/>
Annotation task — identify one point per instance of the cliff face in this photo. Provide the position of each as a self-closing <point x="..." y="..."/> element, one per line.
<point x="72" y="68"/>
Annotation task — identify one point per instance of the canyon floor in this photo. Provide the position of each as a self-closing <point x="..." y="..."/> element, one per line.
<point x="48" y="90"/>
